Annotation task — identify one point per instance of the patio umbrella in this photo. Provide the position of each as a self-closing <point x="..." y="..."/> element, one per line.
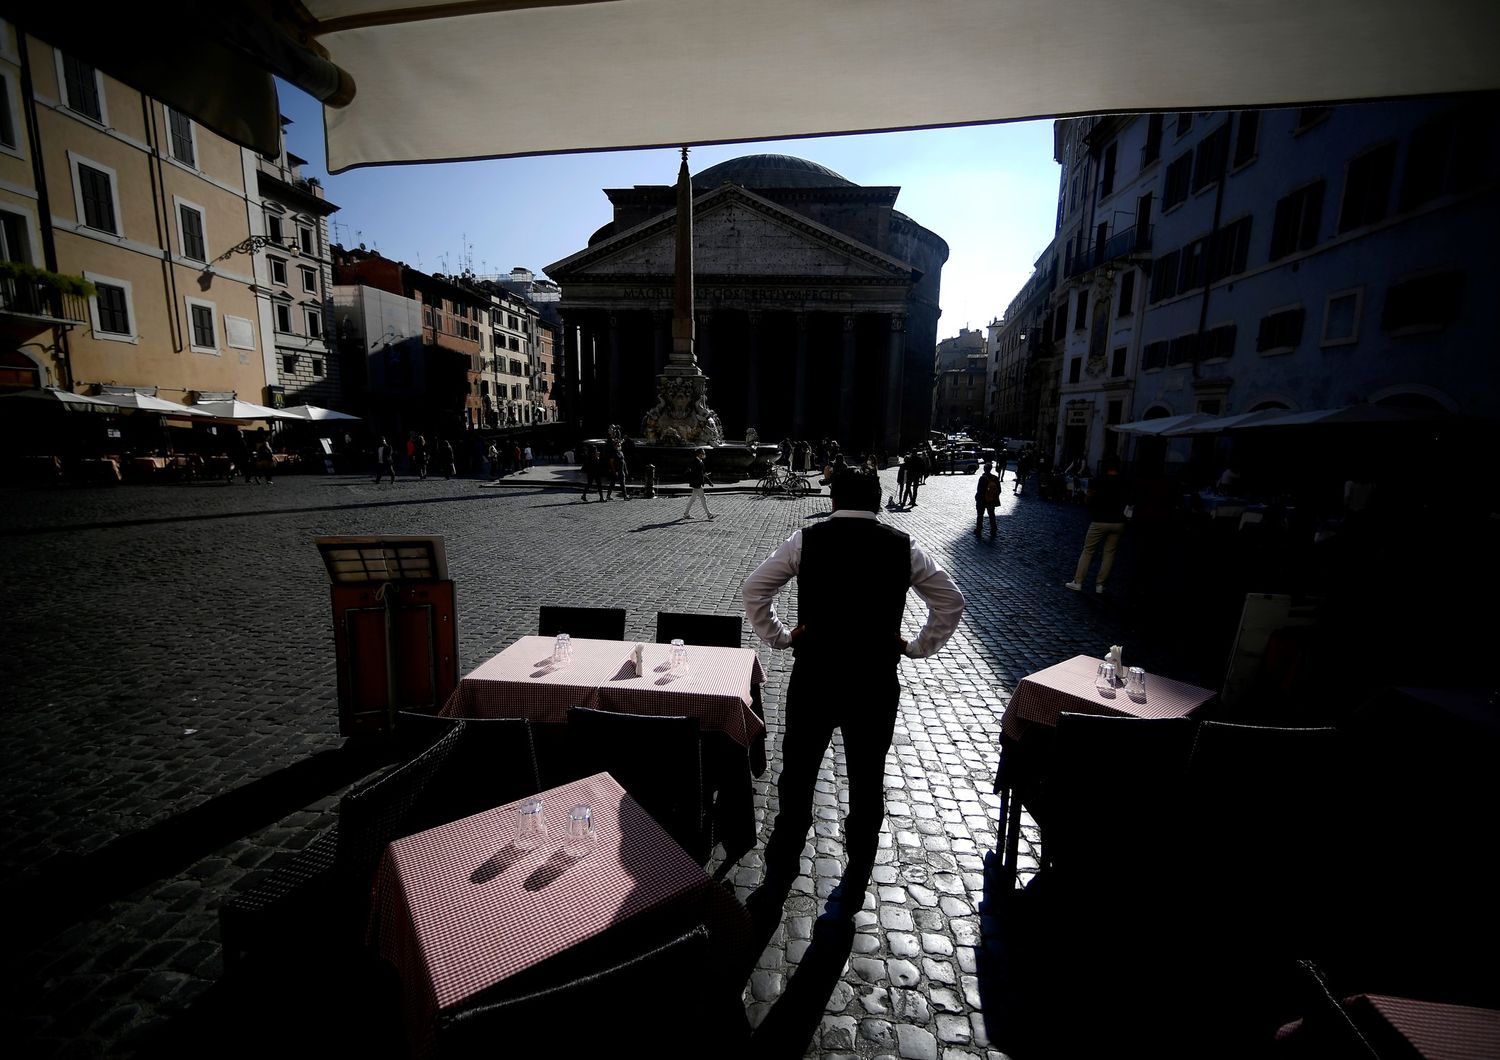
<point x="1160" y="425"/>
<point x="410" y="81"/>
<point x="313" y="412"/>
<point x="242" y="410"/>
<point x="147" y="403"/>
<point x="62" y="398"/>
<point x="1346" y="415"/>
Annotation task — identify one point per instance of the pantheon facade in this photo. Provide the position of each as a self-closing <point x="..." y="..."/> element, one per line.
<point x="816" y="306"/>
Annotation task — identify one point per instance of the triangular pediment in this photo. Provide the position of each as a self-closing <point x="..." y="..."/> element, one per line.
<point x="736" y="233"/>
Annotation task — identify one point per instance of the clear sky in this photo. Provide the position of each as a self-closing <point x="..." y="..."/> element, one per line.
<point x="989" y="191"/>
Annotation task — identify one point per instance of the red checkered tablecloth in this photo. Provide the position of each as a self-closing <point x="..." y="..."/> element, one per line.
<point x="1432" y="1031"/>
<point x="457" y="909"/>
<point x="1069" y="686"/>
<point x="521" y="682"/>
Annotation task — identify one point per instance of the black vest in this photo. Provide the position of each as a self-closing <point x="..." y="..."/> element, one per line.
<point x="851" y="587"/>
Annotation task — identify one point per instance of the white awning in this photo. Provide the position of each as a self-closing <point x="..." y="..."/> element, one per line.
<point x="1347" y="414"/>
<point x="147" y="403"/>
<point x="428" y="80"/>
<point x="1160" y="425"/>
<point x="1225" y="423"/>
<point x="61" y="398"/>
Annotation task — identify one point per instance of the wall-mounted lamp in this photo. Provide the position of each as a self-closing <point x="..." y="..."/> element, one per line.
<point x="254" y="243"/>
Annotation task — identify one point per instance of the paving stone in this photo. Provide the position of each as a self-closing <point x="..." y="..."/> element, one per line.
<point x="903" y="944"/>
<point x="869" y="969"/>
<point x="902" y="972"/>
<point x="938" y="945"/>
<point x="945" y="1000"/>
<point x="954" y="1029"/>
<point x="878" y="1031"/>
<point x="894" y="918"/>
<point x="914" y="1043"/>
<point x="876" y="1001"/>
<point x="939" y="971"/>
<point x="838" y="1032"/>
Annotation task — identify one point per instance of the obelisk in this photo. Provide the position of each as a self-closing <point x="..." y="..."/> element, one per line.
<point x="681" y="415"/>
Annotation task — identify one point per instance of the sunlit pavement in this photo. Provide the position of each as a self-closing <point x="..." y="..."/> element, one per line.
<point x="169" y="645"/>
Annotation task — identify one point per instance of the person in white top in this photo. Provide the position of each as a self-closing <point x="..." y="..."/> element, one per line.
<point x="853" y="573"/>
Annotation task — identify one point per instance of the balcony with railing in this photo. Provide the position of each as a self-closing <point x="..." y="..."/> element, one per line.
<point x="41" y="297"/>
<point x="1128" y="241"/>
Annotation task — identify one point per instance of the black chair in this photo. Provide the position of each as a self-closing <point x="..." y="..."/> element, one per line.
<point x="1264" y="872"/>
<point x="613" y="998"/>
<point x="658" y="760"/>
<point x="416" y="732"/>
<point x="1111" y="780"/>
<point x="589" y="623"/>
<point x="714" y="631"/>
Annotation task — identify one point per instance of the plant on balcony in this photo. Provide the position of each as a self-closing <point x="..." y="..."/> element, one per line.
<point x="15" y="270"/>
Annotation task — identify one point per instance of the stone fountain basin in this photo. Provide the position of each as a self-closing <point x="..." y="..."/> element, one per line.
<point x="730" y="462"/>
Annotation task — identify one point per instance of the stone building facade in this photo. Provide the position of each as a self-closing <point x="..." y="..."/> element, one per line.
<point x="816" y="302"/>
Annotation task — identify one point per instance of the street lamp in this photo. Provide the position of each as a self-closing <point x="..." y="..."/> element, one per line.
<point x="254" y="243"/>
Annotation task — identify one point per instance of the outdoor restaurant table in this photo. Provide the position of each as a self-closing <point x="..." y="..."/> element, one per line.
<point x="1068" y="686"/>
<point x="460" y="912"/>
<point x="1424" y="1029"/>
<point x="521" y="682"/>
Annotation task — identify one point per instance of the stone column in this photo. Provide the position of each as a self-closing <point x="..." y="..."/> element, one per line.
<point x="799" y="385"/>
<point x="895" y="361"/>
<point x="752" y="382"/>
<point x="612" y="399"/>
<point x="704" y="346"/>
<point x="846" y="383"/>
<point x="567" y="376"/>
<point x="661" y="342"/>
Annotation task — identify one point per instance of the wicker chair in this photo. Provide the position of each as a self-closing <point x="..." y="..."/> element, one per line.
<point x="616" y="997"/>
<point x="325" y="885"/>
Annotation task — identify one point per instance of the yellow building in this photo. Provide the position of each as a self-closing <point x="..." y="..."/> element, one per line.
<point x="100" y="182"/>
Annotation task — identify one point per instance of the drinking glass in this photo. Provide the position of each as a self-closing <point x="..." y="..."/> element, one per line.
<point x="580" y="838"/>
<point x="560" y="650"/>
<point x="1105" y="681"/>
<point x="679" y="658"/>
<point x="531" y="827"/>
<point x="1135" y="682"/>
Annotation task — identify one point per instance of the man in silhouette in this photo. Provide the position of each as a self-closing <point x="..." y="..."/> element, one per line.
<point x="853" y="573"/>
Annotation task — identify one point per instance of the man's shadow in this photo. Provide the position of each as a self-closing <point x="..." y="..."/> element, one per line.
<point x="793" y="1019"/>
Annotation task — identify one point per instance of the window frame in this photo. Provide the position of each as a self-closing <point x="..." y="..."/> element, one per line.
<point x="64" y="95"/>
<point x="180" y="204"/>
<point x="307" y="240"/>
<point x="312" y="316"/>
<point x="1455" y="277"/>
<point x="100" y="280"/>
<point x="75" y="161"/>
<point x="192" y="137"/>
<point x="1276" y="311"/>
<point x="307" y="271"/>
<point x="1358" y="294"/>
<point x="10" y="100"/>
<point x="272" y="261"/>
<point x="1382" y="210"/>
<point x="279" y="235"/>
<point x="1297" y="245"/>
<point x="277" y="310"/>
<point x="213" y="325"/>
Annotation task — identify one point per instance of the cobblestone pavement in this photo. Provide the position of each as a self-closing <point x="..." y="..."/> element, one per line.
<point x="170" y="723"/>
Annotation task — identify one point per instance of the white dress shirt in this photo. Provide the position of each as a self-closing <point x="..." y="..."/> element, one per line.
<point x="945" y="604"/>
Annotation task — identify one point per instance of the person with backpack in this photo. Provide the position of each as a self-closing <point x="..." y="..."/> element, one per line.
<point x="986" y="496"/>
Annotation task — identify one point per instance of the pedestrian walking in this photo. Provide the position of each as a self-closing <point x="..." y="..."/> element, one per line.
<point x="616" y="470"/>
<point x="385" y="461"/>
<point x="593" y="470"/>
<point x="526" y="458"/>
<point x="915" y="472"/>
<point x="1106" y="500"/>
<point x="445" y="458"/>
<point x="986" y="496"/>
<point x="265" y="460"/>
<point x="900" y="483"/>
<point x="697" y="477"/>
<point x="423" y="457"/>
<point x="492" y="460"/>
<point x="853" y="573"/>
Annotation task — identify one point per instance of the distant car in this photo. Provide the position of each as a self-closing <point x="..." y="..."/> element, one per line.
<point x="963" y="459"/>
